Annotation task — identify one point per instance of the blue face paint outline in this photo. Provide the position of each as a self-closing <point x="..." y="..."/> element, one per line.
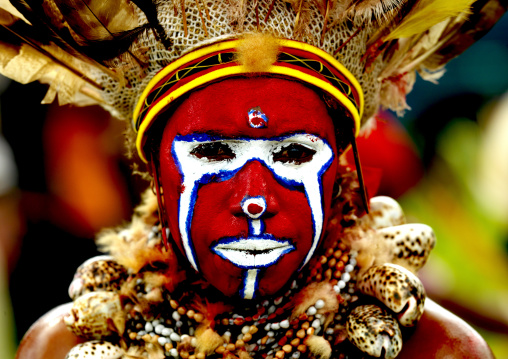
<point x="253" y="230"/>
<point x="222" y="175"/>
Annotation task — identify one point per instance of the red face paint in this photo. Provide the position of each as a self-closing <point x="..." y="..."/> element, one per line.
<point x="217" y="214"/>
<point x="254" y="209"/>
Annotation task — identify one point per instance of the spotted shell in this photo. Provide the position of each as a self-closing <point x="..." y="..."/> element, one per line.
<point x="383" y="212"/>
<point x="96" y="349"/>
<point x="374" y="331"/>
<point x="411" y="244"/>
<point x="399" y="289"/>
<point x="96" y="315"/>
<point x="97" y="273"/>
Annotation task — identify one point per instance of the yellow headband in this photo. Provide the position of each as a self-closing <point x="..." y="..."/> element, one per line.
<point x="296" y="60"/>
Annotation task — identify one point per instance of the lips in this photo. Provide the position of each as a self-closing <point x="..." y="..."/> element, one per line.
<point x="252" y="252"/>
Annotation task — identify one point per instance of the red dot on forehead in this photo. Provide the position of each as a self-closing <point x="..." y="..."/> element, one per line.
<point x="254" y="208"/>
<point x="257" y="118"/>
<point x="257" y="122"/>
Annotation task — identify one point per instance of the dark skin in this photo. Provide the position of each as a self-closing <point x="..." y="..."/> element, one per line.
<point x="439" y="334"/>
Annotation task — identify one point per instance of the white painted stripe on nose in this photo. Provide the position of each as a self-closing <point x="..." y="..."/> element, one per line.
<point x="256" y="227"/>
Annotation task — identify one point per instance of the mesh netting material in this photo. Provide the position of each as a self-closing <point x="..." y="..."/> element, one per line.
<point x="208" y="21"/>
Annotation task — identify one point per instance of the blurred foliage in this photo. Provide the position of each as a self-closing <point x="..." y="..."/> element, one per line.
<point x="469" y="265"/>
<point x="468" y="269"/>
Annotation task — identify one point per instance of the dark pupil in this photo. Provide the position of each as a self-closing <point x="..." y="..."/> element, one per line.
<point x="294" y="153"/>
<point x="215" y="151"/>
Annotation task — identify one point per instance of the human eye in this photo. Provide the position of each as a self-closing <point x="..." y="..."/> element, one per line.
<point x="294" y="153"/>
<point x="213" y="151"/>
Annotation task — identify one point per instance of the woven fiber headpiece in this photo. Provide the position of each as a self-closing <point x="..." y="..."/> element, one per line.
<point x="217" y="61"/>
<point x="109" y="52"/>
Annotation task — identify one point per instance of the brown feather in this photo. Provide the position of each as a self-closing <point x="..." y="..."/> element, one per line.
<point x="49" y="28"/>
<point x="103" y="29"/>
<point x="312" y="293"/>
<point x="149" y="8"/>
<point x="430" y="51"/>
<point x="209" y="309"/>
<point x="203" y="23"/>
<point x="269" y="10"/>
<point x="467" y="31"/>
<point x="98" y="19"/>
<point x="19" y="33"/>
<point x="377" y="10"/>
<point x="9" y="16"/>
<point x="302" y="19"/>
<point x="184" y="18"/>
<point x="237" y="13"/>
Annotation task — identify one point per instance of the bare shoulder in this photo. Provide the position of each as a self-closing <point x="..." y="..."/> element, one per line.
<point x="441" y="334"/>
<point x="48" y="337"/>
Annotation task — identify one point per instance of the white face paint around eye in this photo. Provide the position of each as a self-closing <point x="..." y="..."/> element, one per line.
<point x="296" y="161"/>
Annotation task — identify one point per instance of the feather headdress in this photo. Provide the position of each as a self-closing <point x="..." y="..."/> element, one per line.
<point x="106" y="52"/>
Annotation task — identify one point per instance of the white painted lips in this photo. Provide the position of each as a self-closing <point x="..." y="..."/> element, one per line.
<point x="253" y="252"/>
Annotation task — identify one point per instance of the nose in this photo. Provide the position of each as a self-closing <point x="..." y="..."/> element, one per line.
<point x="253" y="192"/>
<point x="254" y="207"/>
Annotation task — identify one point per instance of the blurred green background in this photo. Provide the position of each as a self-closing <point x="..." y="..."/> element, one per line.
<point x="460" y="131"/>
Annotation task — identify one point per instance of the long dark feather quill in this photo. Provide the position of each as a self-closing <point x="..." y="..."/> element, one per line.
<point x="104" y="50"/>
<point x="150" y="11"/>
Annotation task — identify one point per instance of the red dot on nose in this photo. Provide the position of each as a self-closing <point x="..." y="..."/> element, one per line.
<point x="254" y="208"/>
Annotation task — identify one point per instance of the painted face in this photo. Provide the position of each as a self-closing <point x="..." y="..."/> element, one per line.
<point x="247" y="168"/>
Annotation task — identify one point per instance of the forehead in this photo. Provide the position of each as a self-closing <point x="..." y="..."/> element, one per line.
<point x="222" y="109"/>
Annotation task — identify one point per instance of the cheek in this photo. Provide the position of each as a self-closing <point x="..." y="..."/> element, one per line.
<point x="213" y="217"/>
<point x="293" y="220"/>
<point x="171" y="183"/>
<point x="328" y="183"/>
